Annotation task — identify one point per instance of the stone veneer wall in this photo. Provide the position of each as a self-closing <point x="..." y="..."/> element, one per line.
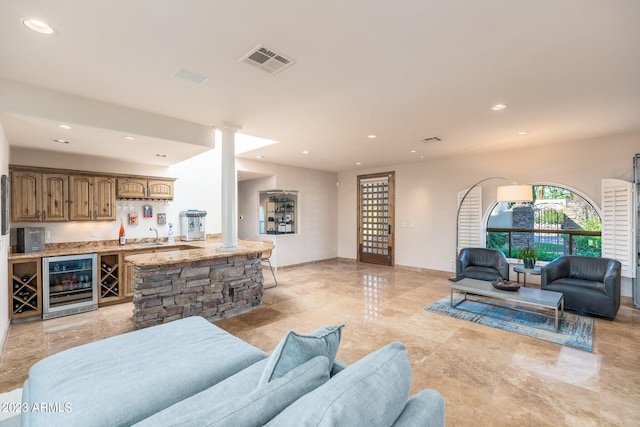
<point x="213" y="288"/>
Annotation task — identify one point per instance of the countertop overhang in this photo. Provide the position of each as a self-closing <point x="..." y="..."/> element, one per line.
<point x="209" y="249"/>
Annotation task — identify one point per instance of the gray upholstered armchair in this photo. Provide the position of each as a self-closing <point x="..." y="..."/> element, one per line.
<point x="481" y="264"/>
<point x="590" y="285"/>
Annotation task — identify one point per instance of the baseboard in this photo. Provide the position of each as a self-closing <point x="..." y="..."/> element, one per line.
<point x="440" y="273"/>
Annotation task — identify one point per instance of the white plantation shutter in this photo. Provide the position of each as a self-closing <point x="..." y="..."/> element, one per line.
<point x="617" y="223"/>
<point x="470" y="219"/>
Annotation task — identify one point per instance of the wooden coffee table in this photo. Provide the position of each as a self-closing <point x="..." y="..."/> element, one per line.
<point x="530" y="296"/>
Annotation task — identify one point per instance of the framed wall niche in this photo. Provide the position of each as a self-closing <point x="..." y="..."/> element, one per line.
<point x="278" y="212"/>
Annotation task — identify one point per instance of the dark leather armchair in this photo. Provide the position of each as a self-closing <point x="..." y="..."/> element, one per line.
<point x="590" y="285"/>
<point x="482" y="264"/>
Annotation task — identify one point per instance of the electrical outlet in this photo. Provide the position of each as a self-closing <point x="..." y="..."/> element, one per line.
<point x="93" y="232"/>
<point x="47" y="234"/>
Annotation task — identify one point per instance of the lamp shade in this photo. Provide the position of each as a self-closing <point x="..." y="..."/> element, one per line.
<point x="515" y="193"/>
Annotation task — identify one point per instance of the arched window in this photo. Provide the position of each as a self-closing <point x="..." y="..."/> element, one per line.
<point x="557" y="222"/>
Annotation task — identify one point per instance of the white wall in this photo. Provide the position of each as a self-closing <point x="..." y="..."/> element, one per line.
<point x="199" y="186"/>
<point x="317" y="223"/>
<point x="4" y="245"/>
<point x="248" y="205"/>
<point x="426" y="191"/>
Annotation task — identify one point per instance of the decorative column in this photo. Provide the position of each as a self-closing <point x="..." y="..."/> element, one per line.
<point x="229" y="188"/>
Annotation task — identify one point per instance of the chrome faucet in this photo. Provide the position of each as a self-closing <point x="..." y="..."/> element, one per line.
<point x="157" y="242"/>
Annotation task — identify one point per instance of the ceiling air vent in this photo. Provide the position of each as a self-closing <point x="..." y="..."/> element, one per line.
<point x="267" y="60"/>
<point x="431" y="139"/>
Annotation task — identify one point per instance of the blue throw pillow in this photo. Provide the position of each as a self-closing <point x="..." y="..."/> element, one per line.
<point x="295" y="349"/>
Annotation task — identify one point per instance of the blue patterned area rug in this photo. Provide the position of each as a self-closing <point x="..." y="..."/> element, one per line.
<point x="574" y="331"/>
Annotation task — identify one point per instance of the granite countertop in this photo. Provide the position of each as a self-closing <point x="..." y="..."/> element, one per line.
<point x="208" y="249"/>
<point x="103" y="246"/>
<point x="161" y="253"/>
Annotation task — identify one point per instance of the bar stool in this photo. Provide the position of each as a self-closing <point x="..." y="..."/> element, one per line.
<point x="266" y="255"/>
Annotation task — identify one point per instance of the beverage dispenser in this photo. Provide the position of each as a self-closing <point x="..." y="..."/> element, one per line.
<point x="192" y="225"/>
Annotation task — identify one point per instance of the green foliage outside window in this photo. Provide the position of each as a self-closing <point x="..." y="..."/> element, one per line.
<point x="556" y="209"/>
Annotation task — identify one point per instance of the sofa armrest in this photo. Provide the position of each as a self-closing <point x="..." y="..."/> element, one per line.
<point x="612" y="279"/>
<point x="462" y="262"/>
<point x="556" y="269"/>
<point x="503" y="267"/>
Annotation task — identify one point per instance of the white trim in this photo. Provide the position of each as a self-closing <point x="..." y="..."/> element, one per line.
<point x="617" y="223"/>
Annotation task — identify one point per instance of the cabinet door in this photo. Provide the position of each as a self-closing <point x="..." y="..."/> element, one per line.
<point x="160" y="189"/>
<point x="80" y="197"/>
<point x="26" y="200"/>
<point x="104" y="198"/>
<point x="128" y="281"/>
<point x="132" y="188"/>
<point x="54" y="197"/>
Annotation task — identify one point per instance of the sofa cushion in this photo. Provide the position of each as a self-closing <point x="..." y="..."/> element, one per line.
<point x="210" y="408"/>
<point x="295" y="349"/>
<point x="581" y="283"/>
<point x="425" y="409"/>
<point x="371" y="392"/>
<point x="481" y="273"/>
<point x="124" y="379"/>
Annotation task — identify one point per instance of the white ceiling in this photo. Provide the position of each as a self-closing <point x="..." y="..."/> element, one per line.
<point x="567" y="69"/>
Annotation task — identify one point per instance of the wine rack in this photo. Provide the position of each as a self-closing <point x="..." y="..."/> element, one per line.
<point x="25" y="291"/>
<point x="110" y="282"/>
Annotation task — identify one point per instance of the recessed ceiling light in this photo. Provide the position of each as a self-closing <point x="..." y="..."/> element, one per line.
<point x="161" y="155"/>
<point x="305" y="151"/>
<point x="372" y="136"/>
<point x="498" y="107"/>
<point x="38" y="26"/>
<point x="413" y="151"/>
<point x="523" y="132"/>
<point x="129" y="138"/>
<point x="63" y="126"/>
<point x="259" y="157"/>
<point x="358" y="163"/>
<point x="61" y="141"/>
<point x="422" y="157"/>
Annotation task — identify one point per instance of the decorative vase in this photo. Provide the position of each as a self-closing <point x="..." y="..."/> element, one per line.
<point x="529" y="262"/>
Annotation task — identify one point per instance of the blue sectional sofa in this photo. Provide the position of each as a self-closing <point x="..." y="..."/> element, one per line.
<point x="192" y="373"/>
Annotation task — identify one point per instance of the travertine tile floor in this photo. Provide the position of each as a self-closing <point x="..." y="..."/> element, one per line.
<point x="487" y="377"/>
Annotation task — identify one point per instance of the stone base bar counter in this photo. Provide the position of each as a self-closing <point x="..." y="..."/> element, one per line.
<point x="203" y="282"/>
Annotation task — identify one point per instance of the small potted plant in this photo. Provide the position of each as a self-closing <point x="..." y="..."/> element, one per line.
<point x="529" y="256"/>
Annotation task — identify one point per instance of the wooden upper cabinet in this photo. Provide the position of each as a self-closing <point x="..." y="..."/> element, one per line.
<point x="46" y="194"/>
<point x="159" y="189"/>
<point x="132" y="188"/>
<point x="91" y="198"/>
<point x="38" y="196"/>
<point x="104" y="198"/>
<point x="140" y="188"/>
<point x="26" y="196"/>
<point x="55" y="201"/>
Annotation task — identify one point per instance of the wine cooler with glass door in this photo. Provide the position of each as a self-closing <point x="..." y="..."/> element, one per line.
<point x="69" y="285"/>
